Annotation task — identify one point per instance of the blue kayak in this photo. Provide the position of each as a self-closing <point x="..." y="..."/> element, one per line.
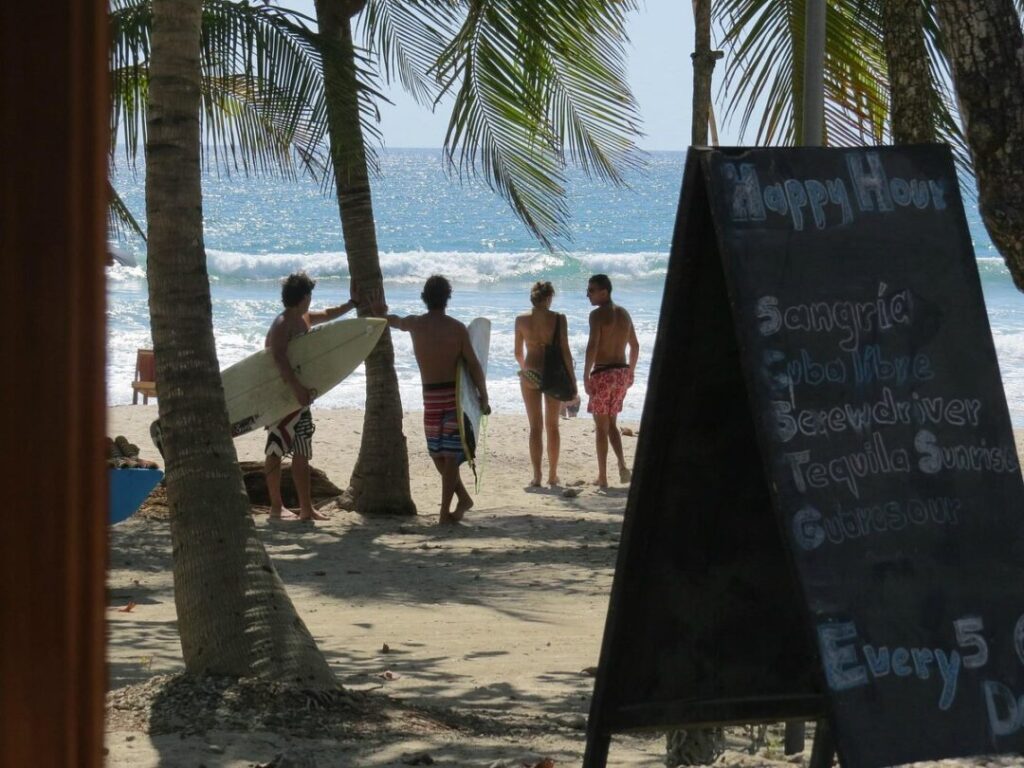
<point x="128" y="489"/>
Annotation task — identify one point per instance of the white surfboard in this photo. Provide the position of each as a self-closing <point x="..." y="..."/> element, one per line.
<point x="257" y="396"/>
<point x="472" y="423"/>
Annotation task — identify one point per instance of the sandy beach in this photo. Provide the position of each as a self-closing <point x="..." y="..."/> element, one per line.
<point x="479" y="636"/>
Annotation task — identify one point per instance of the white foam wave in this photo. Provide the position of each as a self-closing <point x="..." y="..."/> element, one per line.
<point x="465" y="267"/>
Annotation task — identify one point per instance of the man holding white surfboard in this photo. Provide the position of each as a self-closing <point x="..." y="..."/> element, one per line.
<point x="293" y="435"/>
<point x="442" y="346"/>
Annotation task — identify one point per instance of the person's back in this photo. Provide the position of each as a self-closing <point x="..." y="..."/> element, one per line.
<point x="537" y="328"/>
<point x="437" y="342"/>
<point x="616" y="330"/>
<point x="440" y="343"/>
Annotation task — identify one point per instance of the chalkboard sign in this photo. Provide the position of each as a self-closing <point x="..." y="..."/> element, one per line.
<point x="827" y="514"/>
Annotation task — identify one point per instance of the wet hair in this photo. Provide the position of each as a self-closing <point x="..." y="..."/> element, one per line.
<point x="602" y="282"/>
<point x="295" y="288"/>
<point x="436" y="292"/>
<point x="541" y="290"/>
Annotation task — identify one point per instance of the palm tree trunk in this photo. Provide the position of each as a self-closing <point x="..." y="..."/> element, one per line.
<point x="380" y="479"/>
<point x="912" y="103"/>
<point x="234" y="616"/>
<point x="703" y="68"/>
<point x="986" y="49"/>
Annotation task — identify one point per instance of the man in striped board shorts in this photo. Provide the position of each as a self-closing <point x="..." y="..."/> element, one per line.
<point x="440" y="342"/>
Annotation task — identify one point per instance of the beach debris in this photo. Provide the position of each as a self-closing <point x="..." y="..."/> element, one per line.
<point x="385" y="648"/>
<point x="571" y="493"/>
<point x="577" y="483"/>
<point x="591" y="671"/>
<point x="319" y="573"/>
<point x="127" y="608"/>
<point x="627" y="432"/>
<point x="388" y="675"/>
<point x="417" y="758"/>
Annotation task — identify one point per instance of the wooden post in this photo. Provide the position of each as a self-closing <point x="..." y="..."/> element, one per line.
<point x="54" y="128"/>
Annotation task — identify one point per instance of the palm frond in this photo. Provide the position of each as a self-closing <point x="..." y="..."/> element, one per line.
<point x="408" y="38"/>
<point x="263" y="105"/>
<point x="763" y="78"/>
<point x="538" y="85"/>
<point x="119" y="217"/>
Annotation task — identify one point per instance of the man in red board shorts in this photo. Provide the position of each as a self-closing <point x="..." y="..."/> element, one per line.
<point x="606" y="374"/>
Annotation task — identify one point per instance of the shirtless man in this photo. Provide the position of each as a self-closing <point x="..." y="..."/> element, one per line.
<point x="440" y="342"/>
<point x="293" y="435"/>
<point x="606" y="374"/>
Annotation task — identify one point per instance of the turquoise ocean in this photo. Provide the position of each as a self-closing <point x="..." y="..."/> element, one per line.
<point x="258" y="229"/>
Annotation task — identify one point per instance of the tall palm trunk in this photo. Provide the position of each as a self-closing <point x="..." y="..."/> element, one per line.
<point x="234" y="616"/>
<point x="380" y="480"/>
<point x="703" y="68"/>
<point x="986" y="49"/>
<point x="913" y="100"/>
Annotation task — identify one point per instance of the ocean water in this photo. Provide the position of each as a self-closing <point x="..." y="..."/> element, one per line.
<point x="259" y="229"/>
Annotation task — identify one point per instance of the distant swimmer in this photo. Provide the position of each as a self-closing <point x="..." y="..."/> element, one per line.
<point x="606" y="374"/>
<point x="440" y="342"/>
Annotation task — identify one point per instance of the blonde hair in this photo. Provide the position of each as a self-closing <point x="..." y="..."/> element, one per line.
<point x="541" y="290"/>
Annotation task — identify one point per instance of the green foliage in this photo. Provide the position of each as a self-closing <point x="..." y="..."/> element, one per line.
<point x="535" y="84"/>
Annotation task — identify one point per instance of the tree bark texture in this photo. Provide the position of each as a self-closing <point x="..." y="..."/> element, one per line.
<point x="912" y="98"/>
<point x="986" y="49"/>
<point x="703" y="68"/>
<point x="380" y="479"/>
<point x="234" y="616"/>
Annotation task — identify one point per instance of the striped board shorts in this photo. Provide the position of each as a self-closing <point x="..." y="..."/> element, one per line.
<point x="441" y="421"/>
<point x="292" y="435"/>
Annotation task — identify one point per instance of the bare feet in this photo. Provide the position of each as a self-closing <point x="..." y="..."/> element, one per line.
<point x="601" y="482"/>
<point x="461" y="509"/>
<point x="554" y="481"/>
<point x="447" y="518"/>
<point x="625" y="475"/>
<point x="282" y="513"/>
<point x="312" y="514"/>
<point x="535" y="483"/>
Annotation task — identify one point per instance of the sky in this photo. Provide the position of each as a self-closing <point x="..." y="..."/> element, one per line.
<point x="660" y="75"/>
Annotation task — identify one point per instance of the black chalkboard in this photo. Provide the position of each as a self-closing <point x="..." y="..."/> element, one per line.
<point x="826" y="515"/>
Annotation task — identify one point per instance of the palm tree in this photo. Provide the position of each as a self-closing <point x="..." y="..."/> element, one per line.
<point x="234" y="616"/>
<point x="986" y="48"/>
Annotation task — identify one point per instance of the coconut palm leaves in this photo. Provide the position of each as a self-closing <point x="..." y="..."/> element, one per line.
<point x="764" y="71"/>
<point x="262" y="87"/>
<point x="536" y="84"/>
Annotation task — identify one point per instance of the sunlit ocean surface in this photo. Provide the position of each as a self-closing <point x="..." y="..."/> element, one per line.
<point x="259" y="229"/>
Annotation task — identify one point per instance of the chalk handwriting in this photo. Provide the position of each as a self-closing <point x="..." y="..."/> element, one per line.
<point x="963" y="457"/>
<point x="874" y="459"/>
<point x="816" y="200"/>
<point x="850" y="318"/>
<point x="845" y="669"/>
<point x="812" y="529"/>
<point x="790" y="422"/>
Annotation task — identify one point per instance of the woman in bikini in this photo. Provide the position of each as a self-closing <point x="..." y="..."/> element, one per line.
<point x="534" y="331"/>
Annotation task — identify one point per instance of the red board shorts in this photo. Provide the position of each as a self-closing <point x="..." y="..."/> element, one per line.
<point x="292" y="435"/>
<point x="441" y="421"/>
<point x="609" y="387"/>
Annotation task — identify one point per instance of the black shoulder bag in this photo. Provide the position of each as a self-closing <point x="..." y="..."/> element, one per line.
<point x="555" y="380"/>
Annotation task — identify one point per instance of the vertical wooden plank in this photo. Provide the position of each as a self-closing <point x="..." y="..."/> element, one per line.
<point x="54" y="132"/>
